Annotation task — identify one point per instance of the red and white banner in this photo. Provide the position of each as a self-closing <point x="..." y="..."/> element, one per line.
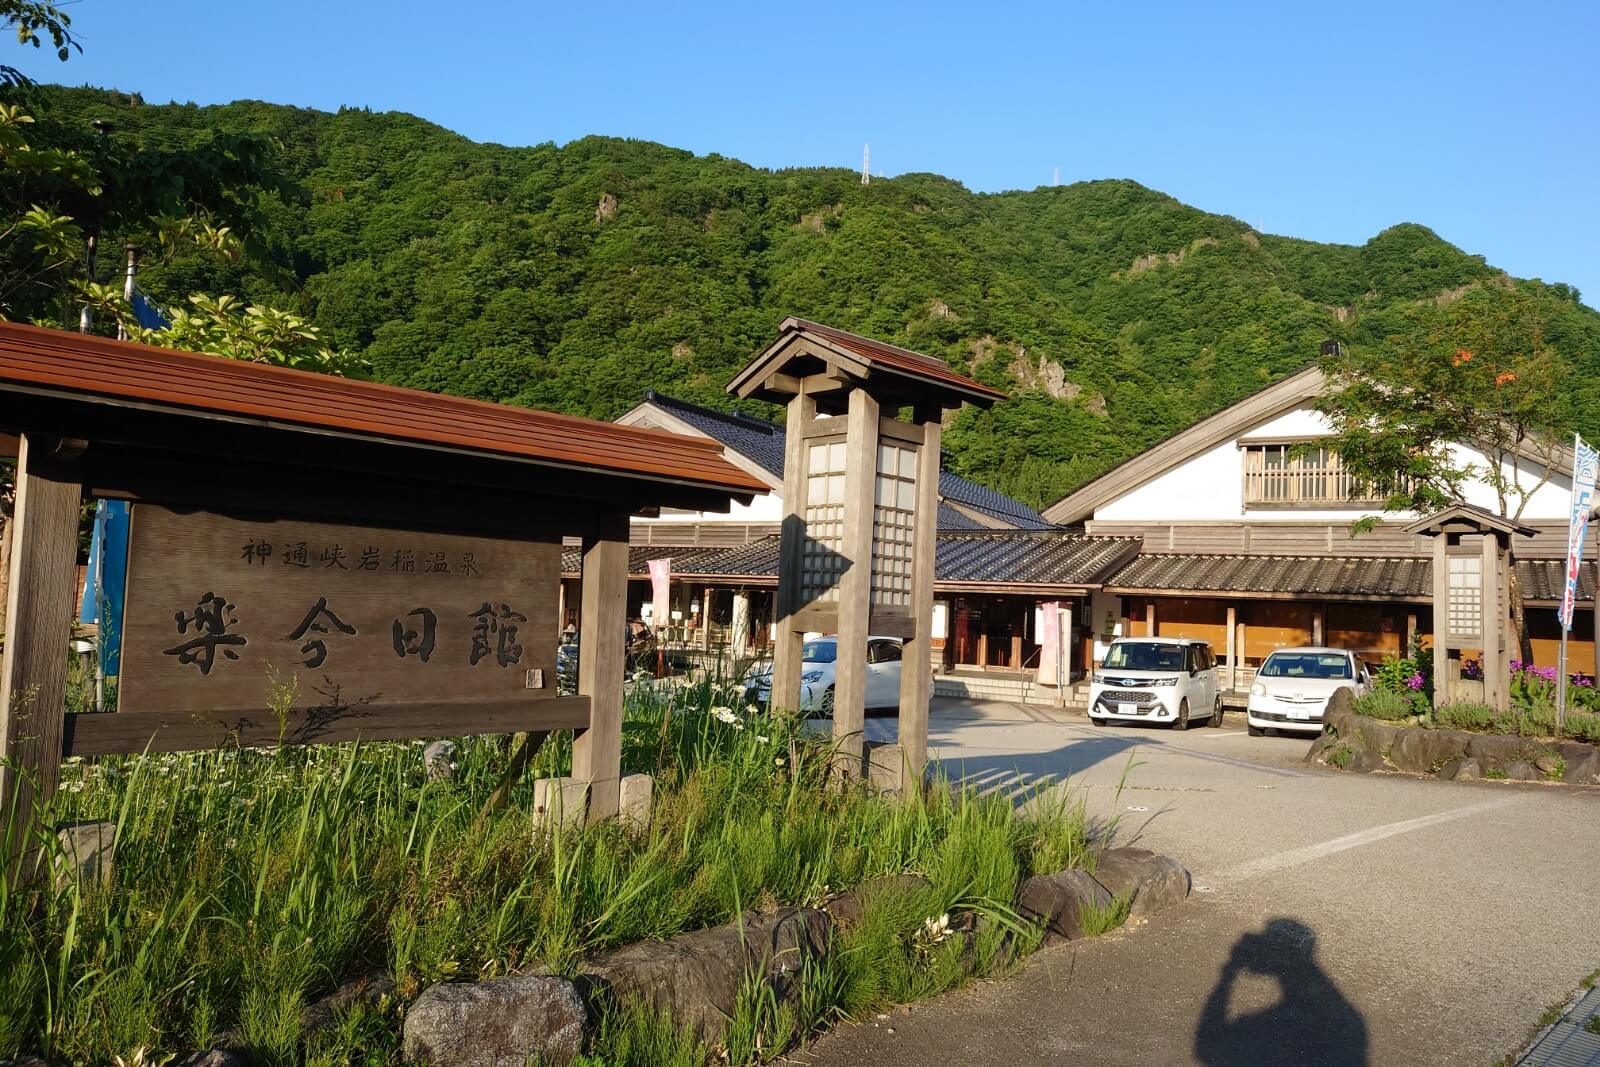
<point x="660" y="598"/>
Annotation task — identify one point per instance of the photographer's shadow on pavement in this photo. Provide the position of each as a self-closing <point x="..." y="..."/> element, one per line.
<point x="1311" y="1022"/>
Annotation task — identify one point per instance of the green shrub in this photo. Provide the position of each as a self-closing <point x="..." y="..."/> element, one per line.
<point x="1385" y="704"/>
<point x="303" y="867"/>
<point x="1340" y="757"/>
<point x="1465" y="716"/>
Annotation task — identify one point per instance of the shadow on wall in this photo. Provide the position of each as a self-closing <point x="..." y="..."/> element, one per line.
<point x="1310" y="1023"/>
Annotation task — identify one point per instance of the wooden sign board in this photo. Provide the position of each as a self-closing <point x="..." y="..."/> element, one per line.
<point x="222" y="613"/>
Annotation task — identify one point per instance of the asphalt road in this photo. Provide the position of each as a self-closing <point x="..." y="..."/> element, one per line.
<point x="1337" y="918"/>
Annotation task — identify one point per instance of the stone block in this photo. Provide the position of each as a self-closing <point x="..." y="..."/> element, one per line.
<point x="87" y="851"/>
<point x="695" y="978"/>
<point x="885" y="767"/>
<point x="637" y="794"/>
<point x="1420" y="751"/>
<point x="439" y="761"/>
<point x="506" y="1022"/>
<point x="851" y="905"/>
<point x="1522" y="771"/>
<point x="1056" y="901"/>
<point x="1154" y="882"/>
<point x="1494" y="752"/>
<point x="1583" y="763"/>
<point x="1463" y="770"/>
<point x="216" y="1057"/>
<point x="369" y="989"/>
<point x="560" y="802"/>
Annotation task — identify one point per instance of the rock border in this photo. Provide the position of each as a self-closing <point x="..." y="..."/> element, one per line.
<point x="1355" y="742"/>
<point x="695" y="977"/>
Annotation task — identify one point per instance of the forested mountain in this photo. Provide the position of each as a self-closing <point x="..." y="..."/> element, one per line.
<point x="574" y="277"/>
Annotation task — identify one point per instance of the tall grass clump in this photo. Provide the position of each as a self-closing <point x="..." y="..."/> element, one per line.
<point x="250" y="882"/>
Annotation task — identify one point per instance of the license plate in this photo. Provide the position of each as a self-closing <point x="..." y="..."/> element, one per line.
<point x="1302" y="715"/>
<point x="1127" y="709"/>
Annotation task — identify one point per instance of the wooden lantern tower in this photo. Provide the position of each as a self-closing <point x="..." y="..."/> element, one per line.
<point x="861" y="498"/>
<point x="1471" y="601"/>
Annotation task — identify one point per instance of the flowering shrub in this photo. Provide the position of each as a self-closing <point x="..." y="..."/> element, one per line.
<point x="1411" y="678"/>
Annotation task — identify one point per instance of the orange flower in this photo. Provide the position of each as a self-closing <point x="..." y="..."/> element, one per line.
<point x="1462" y="356"/>
<point x="1505" y="378"/>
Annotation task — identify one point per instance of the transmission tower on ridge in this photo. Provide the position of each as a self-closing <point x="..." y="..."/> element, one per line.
<point x="866" y="160"/>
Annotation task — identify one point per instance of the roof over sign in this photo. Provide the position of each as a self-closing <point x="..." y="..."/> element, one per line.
<point x="1334" y="576"/>
<point x="804" y="347"/>
<point x="96" y="370"/>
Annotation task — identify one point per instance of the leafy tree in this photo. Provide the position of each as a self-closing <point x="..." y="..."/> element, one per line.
<point x="1478" y="373"/>
<point x="573" y="277"/>
<point x="35" y="20"/>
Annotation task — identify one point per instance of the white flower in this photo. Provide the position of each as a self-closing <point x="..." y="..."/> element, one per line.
<point x="726" y="714"/>
<point x="778" y="762"/>
<point x="763" y="738"/>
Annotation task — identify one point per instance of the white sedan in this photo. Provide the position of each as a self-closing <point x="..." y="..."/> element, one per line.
<point x="1292" y="688"/>
<point x="818" y="664"/>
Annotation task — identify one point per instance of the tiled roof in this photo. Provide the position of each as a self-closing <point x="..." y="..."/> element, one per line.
<point x="1331" y="576"/>
<point x="951" y="519"/>
<point x="1543" y="579"/>
<point x="761" y="442"/>
<point x="757" y="440"/>
<point x="990" y="558"/>
<point x="1321" y="575"/>
<point x="1035" y="559"/>
<point x="98" y="369"/>
<point x="892" y="356"/>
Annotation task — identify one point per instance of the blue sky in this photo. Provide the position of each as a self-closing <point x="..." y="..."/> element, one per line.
<point x="1324" y="121"/>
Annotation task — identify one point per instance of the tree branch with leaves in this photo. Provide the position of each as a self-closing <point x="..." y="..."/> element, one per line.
<point x="1471" y="395"/>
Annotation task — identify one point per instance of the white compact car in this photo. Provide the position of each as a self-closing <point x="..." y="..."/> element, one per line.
<point x="1157" y="679"/>
<point x="1293" y="686"/>
<point x="819" y="658"/>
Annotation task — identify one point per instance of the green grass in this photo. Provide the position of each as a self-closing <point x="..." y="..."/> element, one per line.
<point x="1340" y="757"/>
<point x="250" y="882"/>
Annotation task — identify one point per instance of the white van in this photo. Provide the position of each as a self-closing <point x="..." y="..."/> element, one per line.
<point x="1171" y="680"/>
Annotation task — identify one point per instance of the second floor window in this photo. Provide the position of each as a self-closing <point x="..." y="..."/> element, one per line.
<point x="1292" y="475"/>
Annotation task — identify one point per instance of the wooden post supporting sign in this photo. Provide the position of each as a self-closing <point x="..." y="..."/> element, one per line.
<point x="33" y="679"/>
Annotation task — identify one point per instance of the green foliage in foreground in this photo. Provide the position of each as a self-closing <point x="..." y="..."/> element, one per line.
<point x="250" y="882"/>
<point x="571" y="277"/>
<point x="1520" y="720"/>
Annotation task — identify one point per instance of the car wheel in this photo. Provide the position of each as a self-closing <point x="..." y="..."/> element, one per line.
<point x="1255" y="731"/>
<point x="1181" y="723"/>
<point x="1216" y="716"/>
<point x="825" y="708"/>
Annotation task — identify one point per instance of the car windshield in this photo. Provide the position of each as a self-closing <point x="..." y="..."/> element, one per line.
<point x="1144" y="656"/>
<point x="820" y="651"/>
<point x="1305" y="665"/>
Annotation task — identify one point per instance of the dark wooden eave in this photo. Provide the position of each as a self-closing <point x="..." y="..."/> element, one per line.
<point x="807" y="350"/>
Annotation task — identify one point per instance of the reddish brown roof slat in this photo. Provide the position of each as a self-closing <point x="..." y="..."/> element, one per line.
<point x="96" y="366"/>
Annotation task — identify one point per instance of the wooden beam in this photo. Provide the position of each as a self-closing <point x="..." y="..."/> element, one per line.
<point x="1233" y="648"/>
<point x="778" y="382"/>
<point x="855" y="584"/>
<point x="791" y="556"/>
<point x="597" y="751"/>
<point x="916" y="658"/>
<point x="33" y="673"/>
<point x="128" y="732"/>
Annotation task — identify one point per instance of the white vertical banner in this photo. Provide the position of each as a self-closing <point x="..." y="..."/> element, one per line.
<point x="1585" y="462"/>
<point x="1048" y="627"/>
<point x="660" y="591"/>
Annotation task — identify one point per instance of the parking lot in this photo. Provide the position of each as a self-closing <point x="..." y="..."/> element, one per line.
<point x="1337" y="918"/>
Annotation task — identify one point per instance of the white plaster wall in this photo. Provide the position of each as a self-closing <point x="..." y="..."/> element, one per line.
<point x="765" y="508"/>
<point x="1210" y="485"/>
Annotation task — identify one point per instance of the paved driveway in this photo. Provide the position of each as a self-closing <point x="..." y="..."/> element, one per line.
<point x="1338" y="919"/>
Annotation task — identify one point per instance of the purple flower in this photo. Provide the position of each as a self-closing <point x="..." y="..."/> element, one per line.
<point x="1416" y="682"/>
